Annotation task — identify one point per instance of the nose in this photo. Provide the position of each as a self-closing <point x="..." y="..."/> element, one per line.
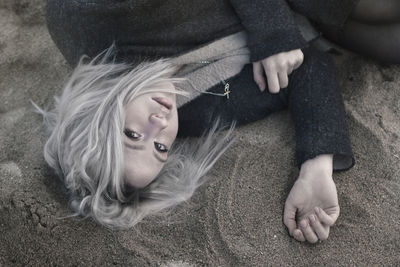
<point x="158" y="120"/>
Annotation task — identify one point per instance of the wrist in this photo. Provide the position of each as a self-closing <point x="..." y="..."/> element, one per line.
<point x="320" y="167"/>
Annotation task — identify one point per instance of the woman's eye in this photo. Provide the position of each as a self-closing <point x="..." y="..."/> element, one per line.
<point x="131" y="134"/>
<point x="160" y="147"/>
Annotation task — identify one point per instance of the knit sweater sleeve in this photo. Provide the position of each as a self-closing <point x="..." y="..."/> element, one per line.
<point x="332" y="13"/>
<point x="270" y="27"/>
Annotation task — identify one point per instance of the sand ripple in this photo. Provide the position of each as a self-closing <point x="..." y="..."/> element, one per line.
<point x="235" y="219"/>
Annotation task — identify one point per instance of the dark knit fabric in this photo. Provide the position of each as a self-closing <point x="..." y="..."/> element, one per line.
<point x="328" y="16"/>
<point x="143" y="29"/>
<point x="331" y="13"/>
<point x="312" y="97"/>
<point x="270" y="27"/>
<point x="149" y="29"/>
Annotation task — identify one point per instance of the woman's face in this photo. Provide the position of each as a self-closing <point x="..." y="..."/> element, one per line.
<point x="151" y="125"/>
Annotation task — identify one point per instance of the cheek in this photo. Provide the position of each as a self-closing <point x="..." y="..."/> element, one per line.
<point x="136" y="111"/>
<point x="139" y="174"/>
<point x="171" y="133"/>
<point x="175" y="125"/>
<point x="137" y="180"/>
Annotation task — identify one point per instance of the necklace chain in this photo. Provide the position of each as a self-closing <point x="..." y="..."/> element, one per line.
<point x="226" y="85"/>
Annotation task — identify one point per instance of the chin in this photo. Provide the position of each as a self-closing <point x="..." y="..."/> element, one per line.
<point x="133" y="183"/>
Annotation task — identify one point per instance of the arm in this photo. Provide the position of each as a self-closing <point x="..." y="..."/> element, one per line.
<point x="270" y="27"/>
<point x="333" y="13"/>
<point x="274" y="41"/>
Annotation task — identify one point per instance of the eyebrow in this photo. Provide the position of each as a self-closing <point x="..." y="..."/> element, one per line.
<point x="140" y="147"/>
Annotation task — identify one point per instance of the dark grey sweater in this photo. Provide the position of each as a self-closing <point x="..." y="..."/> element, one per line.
<point x="147" y="29"/>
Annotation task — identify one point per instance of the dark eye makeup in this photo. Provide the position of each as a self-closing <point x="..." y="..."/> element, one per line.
<point x="132" y="134"/>
<point x="160" y="147"/>
<point x="136" y="136"/>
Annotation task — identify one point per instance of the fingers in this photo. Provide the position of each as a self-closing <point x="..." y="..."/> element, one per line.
<point x="312" y="230"/>
<point x="290" y="70"/>
<point x="298" y="235"/>
<point x="258" y="75"/>
<point x="289" y="217"/>
<point x="273" y="80"/>
<point x="308" y="232"/>
<point x="317" y="226"/>
<point x="320" y="230"/>
<point x="283" y="79"/>
<point x="276" y="68"/>
<point x="326" y="219"/>
<point x="260" y="70"/>
<point x="299" y="59"/>
<point x="297" y="64"/>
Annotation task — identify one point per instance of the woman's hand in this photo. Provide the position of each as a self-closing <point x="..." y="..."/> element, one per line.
<point x="312" y="205"/>
<point x="277" y="68"/>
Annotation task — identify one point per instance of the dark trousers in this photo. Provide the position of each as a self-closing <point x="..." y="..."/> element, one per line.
<point x="313" y="98"/>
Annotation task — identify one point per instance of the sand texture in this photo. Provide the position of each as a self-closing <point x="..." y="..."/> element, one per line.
<point x="235" y="219"/>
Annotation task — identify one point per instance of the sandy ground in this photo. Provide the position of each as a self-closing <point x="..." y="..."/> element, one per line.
<point x="234" y="220"/>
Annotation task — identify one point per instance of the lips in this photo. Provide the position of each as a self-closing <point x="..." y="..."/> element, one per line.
<point x="165" y="102"/>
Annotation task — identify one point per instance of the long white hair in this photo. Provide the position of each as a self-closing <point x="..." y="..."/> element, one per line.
<point x="84" y="146"/>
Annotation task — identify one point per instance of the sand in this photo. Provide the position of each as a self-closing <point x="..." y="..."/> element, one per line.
<point x="235" y="219"/>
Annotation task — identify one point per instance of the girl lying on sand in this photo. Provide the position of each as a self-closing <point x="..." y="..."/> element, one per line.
<point x="188" y="63"/>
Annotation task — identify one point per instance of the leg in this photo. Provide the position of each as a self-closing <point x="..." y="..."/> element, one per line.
<point x="380" y="42"/>
<point x="373" y="29"/>
<point x="377" y="12"/>
<point x="322" y="145"/>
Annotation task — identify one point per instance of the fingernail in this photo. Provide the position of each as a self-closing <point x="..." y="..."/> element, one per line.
<point x="317" y="210"/>
<point x="303" y="224"/>
<point x="297" y="234"/>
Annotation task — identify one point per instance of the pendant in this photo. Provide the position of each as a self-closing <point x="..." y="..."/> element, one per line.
<point x="227" y="91"/>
